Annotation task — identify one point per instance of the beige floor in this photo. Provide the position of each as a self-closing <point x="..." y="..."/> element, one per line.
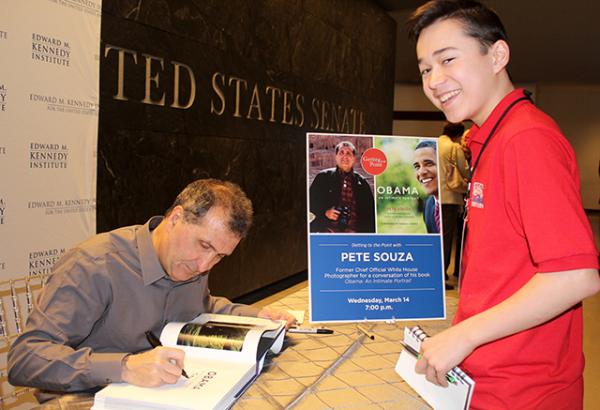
<point x="591" y="338"/>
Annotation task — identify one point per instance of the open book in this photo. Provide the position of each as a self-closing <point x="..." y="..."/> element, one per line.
<point x="456" y="396"/>
<point x="223" y="356"/>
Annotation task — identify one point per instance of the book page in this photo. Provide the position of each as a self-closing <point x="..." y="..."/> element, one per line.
<point x="220" y="359"/>
<point x="214" y="335"/>
<point x="216" y="384"/>
<point x="223" y="337"/>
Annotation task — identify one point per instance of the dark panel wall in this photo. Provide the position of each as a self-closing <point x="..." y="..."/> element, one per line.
<point x="228" y="89"/>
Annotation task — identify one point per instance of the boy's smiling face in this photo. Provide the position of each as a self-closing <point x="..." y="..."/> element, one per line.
<point x="457" y="76"/>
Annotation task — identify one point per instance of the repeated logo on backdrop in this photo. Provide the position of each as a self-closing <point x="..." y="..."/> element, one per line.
<point x="49" y="113"/>
<point x="65" y="104"/>
<point x="2" y="210"/>
<point x="86" y="6"/>
<point x="63" y="206"/>
<point x="45" y="156"/>
<point x="50" y="49"/>
<point x="42" y="261"/>
<point x="3" y="101"/>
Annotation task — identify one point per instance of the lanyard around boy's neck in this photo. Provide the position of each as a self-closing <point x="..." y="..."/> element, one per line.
<point x="526" y="97"/>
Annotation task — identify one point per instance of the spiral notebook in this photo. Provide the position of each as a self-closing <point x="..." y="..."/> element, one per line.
<point x="457" y="396"/>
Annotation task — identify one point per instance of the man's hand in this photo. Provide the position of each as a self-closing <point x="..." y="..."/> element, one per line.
<point x="161" y="365"/>
<point x="442" y="352"/>
<point x="277" y="314"/>
<point x="332" y="214"/>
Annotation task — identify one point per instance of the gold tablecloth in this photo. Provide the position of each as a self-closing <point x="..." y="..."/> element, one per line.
<point x="344" y="370"/>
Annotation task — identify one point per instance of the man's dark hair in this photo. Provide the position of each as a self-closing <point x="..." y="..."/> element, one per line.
<point x="426" y="144"/>
<point x="454" y="130"/>
<point x="198" y="197"/>
<point x="479" y="22"/>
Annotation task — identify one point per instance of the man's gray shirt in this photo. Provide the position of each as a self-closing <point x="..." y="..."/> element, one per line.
<point x="100" y="299"/>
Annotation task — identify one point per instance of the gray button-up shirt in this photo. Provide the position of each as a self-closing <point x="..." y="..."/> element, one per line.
<point x="100" y="299"/>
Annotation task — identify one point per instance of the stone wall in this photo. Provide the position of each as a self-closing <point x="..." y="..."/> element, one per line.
<point x="228" y="89"/>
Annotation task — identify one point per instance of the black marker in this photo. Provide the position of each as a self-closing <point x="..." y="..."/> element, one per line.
<point x="155" y="342"/>
<point x="312" y="330"/>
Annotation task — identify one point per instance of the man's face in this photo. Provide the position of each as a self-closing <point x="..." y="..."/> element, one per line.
<point x="344" y="159"/>
<point x="424" y="164"/>
<point x="457" y="77"/>
<point x="191" y="249"/>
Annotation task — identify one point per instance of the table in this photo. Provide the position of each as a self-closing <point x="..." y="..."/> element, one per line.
<point x="345" y="370"/>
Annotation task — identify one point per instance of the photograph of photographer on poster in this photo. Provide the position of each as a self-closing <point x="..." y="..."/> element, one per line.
<point x="341" y="195"/>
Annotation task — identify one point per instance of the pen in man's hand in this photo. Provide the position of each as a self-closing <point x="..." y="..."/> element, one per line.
<point x="155" y="342"/>
<point x="416" y="354"/>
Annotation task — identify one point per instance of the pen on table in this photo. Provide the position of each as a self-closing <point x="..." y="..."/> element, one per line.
<point x="313" y="330"/>
<point x="155" y="342"/>
<point x="416" y="354"/>
<point x="370" y="335"/>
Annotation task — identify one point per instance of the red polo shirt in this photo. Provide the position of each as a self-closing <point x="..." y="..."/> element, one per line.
<point x="525" y="217"/>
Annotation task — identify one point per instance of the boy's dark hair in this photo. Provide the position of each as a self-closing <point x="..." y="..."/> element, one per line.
<point x="479" y="22"/>
<point x="454" y="130"/>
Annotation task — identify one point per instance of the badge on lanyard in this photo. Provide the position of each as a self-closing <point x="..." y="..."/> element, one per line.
<point x="477" y="195"/>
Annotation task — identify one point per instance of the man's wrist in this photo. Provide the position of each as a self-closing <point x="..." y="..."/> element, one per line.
<point x="124" y="368"/>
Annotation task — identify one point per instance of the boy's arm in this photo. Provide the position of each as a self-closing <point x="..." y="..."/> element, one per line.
<point x="544" y="297"/>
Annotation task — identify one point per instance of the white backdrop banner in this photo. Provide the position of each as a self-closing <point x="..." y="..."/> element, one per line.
<point x="49" y="95"/>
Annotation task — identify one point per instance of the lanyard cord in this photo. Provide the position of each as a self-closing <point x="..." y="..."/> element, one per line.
<point x="489" y="137"/>
<point x="527" y="96"/>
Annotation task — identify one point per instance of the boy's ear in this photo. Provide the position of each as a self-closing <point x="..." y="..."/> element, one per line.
<point x="500" y="52"/>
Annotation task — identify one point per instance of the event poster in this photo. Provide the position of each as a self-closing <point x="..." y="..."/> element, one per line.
<point x="374" y="222"/>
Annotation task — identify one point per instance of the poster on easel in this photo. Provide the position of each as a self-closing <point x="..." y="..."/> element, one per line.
<point x="374" y="228"/>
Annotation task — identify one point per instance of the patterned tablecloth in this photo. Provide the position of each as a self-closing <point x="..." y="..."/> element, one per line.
<point x="345" y="370"/>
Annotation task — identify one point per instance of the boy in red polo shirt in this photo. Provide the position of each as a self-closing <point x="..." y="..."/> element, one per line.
<point x="529" y="257"/>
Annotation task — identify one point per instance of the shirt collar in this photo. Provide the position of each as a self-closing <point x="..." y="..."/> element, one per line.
<point x="479" y="134"/>
<point x="339" y="171"/>
<point x="152" y="270"/>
